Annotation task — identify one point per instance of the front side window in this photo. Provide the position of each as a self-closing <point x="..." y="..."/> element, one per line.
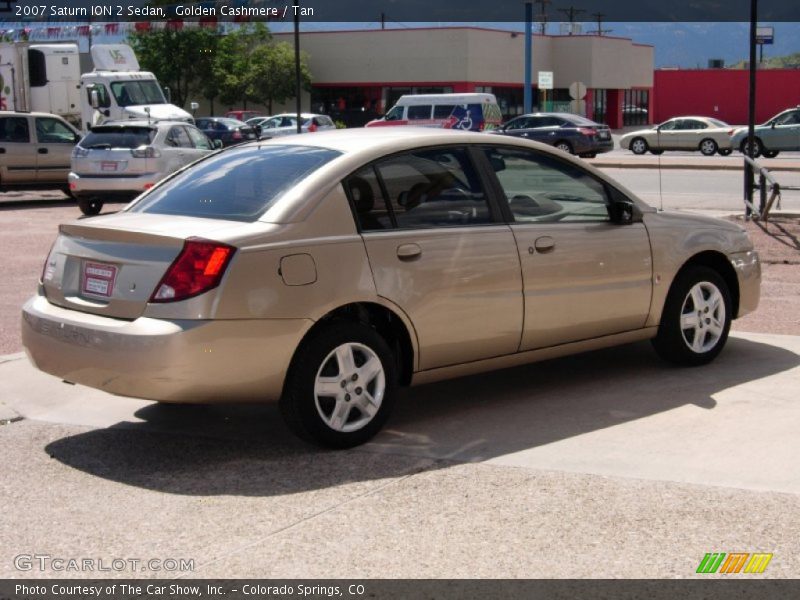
<point x="178" y="138"/>
<point x="238" y="185"/>
<point x="788" y="118"/>
<point x="395" y="114"/>
<point x="518" y="123"/>
<point x="541" y="188"/>
<point x="668" y="126"/>
<point x="103" y="100"/>
<point x="136" y="93"/>
<point x="199" y="139"/>
<point x="14" y="129"/>
<point x="434" y="188"/>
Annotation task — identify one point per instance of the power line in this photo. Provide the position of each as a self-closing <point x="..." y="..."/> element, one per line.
<point x="542" y="17"/>
<point x="600" y="30"/>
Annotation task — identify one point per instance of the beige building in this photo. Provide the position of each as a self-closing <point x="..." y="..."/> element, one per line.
<point x="358" y="74"/>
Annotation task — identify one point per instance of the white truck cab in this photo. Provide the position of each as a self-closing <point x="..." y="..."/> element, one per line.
<point x="118" y="91"/>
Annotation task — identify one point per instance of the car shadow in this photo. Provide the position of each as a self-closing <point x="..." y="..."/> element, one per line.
<point x="246" y="450"/>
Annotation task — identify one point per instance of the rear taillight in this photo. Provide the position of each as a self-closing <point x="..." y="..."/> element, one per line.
<point x="312" y="128"/>
<point x="237" y="135"/>
<point x="145" y="152"/>
<point x="48" y="269"/>
<point x="198" y="268"/>
<point x="587" y="131"/>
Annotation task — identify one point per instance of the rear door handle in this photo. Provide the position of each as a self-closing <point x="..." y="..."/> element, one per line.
<point x="409" y="252"/>
<point x="42" y="150"/>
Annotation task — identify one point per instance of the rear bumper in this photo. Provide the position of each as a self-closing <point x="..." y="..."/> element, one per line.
<point x="87" y="185"/>
<point x="166" y="360"/>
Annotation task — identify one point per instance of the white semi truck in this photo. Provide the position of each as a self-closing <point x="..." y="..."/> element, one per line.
<point x="47" y="78"/>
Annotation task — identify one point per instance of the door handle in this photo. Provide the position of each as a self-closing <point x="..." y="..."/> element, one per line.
<point x="543" y="244"/>
<point x="42" y="150"/>
<point x="409" y="252"/>
<point x="2" y="150"/>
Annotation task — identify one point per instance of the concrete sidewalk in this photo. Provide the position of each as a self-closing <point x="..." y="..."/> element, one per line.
<point x="577" y="467"/>
<point x="734" y="162"/>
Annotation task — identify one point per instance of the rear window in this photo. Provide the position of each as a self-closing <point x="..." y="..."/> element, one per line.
<point x="118" y="137"/>
<point x="238" y="185"/>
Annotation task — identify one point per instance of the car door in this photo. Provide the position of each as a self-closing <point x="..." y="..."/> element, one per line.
<point x="439" y="252"/>
<point x="178" y="148"/>
<point x="200" y="145"/>
<point x="785" y="134"/>
<point x="542" y="129"/>
<point x="583" y="275"/>
<point x="17" y="154"/>
<point x="667" y="136"/>
<point x="54" y="143"/>
<point x="690" y="134"/>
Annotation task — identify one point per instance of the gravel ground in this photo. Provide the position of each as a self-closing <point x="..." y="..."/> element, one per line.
<point x="778" y="245"/>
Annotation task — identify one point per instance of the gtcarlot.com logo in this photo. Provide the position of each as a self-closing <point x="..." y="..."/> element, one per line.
<point x="734" y="562"/>
<point x="46" y="562"/>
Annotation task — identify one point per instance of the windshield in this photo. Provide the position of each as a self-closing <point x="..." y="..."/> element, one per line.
<point x="135" y="93"/>
<point x="239" y="185"/>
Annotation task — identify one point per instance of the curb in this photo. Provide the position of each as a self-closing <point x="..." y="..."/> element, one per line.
<point x="601" y="164"/>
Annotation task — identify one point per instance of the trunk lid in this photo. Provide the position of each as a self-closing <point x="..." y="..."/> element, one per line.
<point x="111" y="265"/>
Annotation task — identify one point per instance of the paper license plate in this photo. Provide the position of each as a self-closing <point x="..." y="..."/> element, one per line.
<point x="108" y="165"/>
<point x="98" y="279"/>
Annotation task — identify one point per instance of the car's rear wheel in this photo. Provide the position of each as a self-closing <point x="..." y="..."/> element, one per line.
<point x="564" y="146"/>
<point x="758" y="147"/>
<point x="696" y="319"/>
<point x="341" y="387"/>
<point x="639" y="146"/>
<point x="708" y="147"/>
<point x="90" y="206"/>
<point x="770" y="153"/>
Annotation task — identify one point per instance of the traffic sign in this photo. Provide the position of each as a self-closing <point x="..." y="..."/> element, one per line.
<point x="577" y="90"/>
<point x="545" y="80"/>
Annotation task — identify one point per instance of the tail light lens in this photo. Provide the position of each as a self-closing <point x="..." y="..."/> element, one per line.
<point x="48" y="269"/>
<point x="197" y="269"/>
<point x="237" y="135"/>
<point x="312" y="127"/>
<point x="587" y="131"/>
<point x="145" y="152"/>
<point x="730" y="131"/>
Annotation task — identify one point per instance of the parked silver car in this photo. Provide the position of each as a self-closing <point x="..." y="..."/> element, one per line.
<point x="286" y="124"/>
<point x="123" y="159"/>
<point x="709" y="136"/>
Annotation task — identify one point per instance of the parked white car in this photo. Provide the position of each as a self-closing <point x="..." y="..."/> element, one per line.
<point x="125" y="158"/>
<point x="286" y="124"/>
<point x="709" y="136"/>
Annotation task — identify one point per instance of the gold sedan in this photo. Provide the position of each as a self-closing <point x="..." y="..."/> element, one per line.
<point x="325" y="271"/>
<point x="709" y="136"/>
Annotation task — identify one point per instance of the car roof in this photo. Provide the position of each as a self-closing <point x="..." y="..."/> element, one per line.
<point x="294" y="114"/>
<point x="23" y="113"/>
<point x="153" y="124"/>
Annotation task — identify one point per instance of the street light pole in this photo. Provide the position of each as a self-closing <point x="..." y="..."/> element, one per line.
<point x="297" y="84"/>
<point x="526" y="94"/>
<point x="749" y="174"/>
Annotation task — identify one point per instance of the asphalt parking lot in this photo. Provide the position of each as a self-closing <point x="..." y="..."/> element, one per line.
<point x="604" y="465"/>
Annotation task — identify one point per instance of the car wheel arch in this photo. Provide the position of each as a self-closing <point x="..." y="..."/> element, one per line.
<point x="718" y="262"/>
<point x="394" y="327"/>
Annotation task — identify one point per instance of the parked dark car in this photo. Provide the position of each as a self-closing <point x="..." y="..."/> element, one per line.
<point x="571" y="133"/>
<point x="228" y="131"/>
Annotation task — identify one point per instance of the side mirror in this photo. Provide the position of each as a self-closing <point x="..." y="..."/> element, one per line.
<point x="623" y="212"/>
<point x="773" y="125"/>
<point x="94" y="99"/>
<point x="168" y="94"/>
<point x="193" y="106"/>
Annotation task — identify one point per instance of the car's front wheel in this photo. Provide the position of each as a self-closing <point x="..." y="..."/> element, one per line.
<point x="758" y="147"/>
<point x="696" y="319"/>
<point x="639" y="146"/>
<point x="90" y="206"/>
<point x="341" y="387"/>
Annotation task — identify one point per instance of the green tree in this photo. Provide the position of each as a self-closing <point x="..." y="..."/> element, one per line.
<point x="272" y="74"/>
<point x="233" y="62"/>
<point x="181" y="59"/>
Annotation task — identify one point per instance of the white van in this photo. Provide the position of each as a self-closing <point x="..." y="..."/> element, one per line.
<point x="471" y="112"/>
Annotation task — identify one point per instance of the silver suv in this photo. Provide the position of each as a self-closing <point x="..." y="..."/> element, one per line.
<point x="123" y="159"/>
<point x="35" y="150"/>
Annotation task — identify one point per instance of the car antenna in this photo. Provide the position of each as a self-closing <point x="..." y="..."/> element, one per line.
<point x="660" y="189"/>
<point x="147" y="111"/>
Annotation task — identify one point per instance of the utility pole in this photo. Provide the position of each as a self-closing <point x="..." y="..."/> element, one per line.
<point x="600" y="30"/>
<point x="571" y="13"/>
<point x="526" y="93"/>
<point x="383" y="20"/>
<point x="749" y="173"/>
<point x="542" y="18"/>
<point x="297" y="85"/>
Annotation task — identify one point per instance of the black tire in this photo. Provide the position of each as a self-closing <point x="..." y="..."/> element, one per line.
<point x="708" y="147"/>
<point x="770" y="153"/>
<point x="725" y="151"/>
<point x="657" y="152"/>
<point x="564" y="146"/>
<point x="589" y="155"/>
<point x="68" y="192"/>
<point x="639" y="146"/>
<point x="90" y="206"/>
<point x="757" y="150"/>
<point x="306" y="412"/>
<point x="673" y="341"/>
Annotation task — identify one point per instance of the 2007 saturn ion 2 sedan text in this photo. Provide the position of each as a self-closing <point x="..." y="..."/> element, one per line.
<point x="325" y="271"/>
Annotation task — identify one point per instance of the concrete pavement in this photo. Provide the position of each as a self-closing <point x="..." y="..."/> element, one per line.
<point x="696" y="162"/>
<point x="573" y="468"/>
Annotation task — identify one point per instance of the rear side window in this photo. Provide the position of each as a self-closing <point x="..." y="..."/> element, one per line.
<point x="442" y="111"/>
<point x="419" y="112"/>
<point x="368" y="203"/>
<point x="237" y="185"/>
<point x="118" y="137"/>
<point x="14" y="129"/>
<point x="434" y="188"/>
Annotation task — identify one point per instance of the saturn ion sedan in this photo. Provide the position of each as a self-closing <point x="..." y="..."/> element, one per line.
<point x="325" y="271"/>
